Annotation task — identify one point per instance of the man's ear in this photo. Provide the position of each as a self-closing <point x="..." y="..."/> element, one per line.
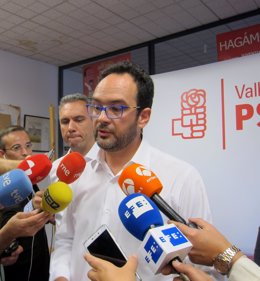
<point x="144" y="117"/>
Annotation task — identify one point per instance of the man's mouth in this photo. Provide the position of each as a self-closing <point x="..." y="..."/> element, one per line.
<point x="103" y="133"/>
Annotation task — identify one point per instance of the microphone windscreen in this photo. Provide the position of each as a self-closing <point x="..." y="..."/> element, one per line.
<point x="138" y="213"/>
<point x="136" y="178"/>
<point x="36" y="167"/>
<point x="56" y="197"/>
<point x="71" y="167"/>
<point x="15" y="186"/>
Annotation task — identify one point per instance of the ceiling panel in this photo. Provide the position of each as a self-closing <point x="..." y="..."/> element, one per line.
<point x="61" y="32"/>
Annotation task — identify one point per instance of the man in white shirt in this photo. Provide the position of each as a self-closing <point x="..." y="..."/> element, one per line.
<point x="77" y="132"/>
<point x="120" y="109"/>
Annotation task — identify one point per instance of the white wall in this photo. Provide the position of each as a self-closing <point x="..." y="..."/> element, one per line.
<point x="27" y="83"/>
<point x="72" y="82"/>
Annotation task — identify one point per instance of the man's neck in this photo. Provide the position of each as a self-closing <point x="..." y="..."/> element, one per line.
<point x="117" y="159"/>
<point x="85" y="150"/>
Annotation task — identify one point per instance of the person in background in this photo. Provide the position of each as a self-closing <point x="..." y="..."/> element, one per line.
<point x="209" y="248"/>
<point x="120" y="109"/>
<point x="33" y="263"/>
<point x="77" y="132"/>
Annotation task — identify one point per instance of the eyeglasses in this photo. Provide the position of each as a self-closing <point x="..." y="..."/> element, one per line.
<point x="18" y="147"/>
<point x="112" y="111"/>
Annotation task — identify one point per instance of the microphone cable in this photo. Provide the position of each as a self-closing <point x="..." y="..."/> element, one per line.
<point x="31" y="260"/>
<point x="52" y="238"/>
<point x="2" y="273"/>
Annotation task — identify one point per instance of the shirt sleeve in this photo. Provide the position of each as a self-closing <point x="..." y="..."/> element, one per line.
<point x="244" y="269"/>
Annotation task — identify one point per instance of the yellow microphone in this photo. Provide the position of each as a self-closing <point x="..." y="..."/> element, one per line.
<point x="56" y="197"/>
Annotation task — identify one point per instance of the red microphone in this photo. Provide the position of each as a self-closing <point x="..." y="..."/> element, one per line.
<point x="136" y="178"/>
<point x="71" y="167"/>
<point x="36" y="167"/>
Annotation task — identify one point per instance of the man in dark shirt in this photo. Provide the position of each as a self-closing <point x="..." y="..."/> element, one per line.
<point x="33" y="262"/>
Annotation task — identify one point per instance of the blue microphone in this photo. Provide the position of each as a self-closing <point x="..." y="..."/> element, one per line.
<point x="161" y="243"/>
<point x="15" y="186"/>
<point x="138" y="213"/>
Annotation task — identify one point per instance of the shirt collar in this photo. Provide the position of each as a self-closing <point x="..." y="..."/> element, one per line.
<point x="142" y="156"/>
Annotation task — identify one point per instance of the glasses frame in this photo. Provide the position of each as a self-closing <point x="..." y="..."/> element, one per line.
<point x="104" y="108"/>
<point x="28" y="146"/>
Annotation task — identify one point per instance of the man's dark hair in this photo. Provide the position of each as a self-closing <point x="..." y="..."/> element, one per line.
<point x="145" y="87"/>
<point x="8" y="130"/>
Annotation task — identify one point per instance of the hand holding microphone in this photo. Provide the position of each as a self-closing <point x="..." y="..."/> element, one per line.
<point x="136" y="178"/>
<point x="161" y="243"/>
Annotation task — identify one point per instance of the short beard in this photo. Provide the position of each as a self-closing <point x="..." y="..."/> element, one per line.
<point x="119" y="142"/>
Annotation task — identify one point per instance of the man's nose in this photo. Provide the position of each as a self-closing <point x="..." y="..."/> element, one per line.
<point x="26" y="152"/>
<point x="71" y="125"/>
<point x="103" y="116"/>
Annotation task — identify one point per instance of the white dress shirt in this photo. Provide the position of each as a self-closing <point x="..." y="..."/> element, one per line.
<point x="97" y="196"/>
<point x="52" y="177"/>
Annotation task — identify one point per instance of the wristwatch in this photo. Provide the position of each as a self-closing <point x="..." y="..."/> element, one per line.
<point x="222" y="262"/>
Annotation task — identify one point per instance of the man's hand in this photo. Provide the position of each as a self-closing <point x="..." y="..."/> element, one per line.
<point x="37" y="199"/>
<point x="12" y="258"/>
<point x="194" y="274"/>
<point x="207" y="241"/>
<point x="105" y="271"/>
<point x="27" y="224"/>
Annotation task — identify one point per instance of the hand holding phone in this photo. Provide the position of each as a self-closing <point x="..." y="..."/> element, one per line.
<point x="103" y="245"/>
<point x="11" y="248"/>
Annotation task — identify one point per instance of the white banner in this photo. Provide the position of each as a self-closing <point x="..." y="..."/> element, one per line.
<point x="210" y="117"/>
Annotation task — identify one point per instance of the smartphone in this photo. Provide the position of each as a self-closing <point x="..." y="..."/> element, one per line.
<point x="11" y="248"/>
<point x="102" y="244"/>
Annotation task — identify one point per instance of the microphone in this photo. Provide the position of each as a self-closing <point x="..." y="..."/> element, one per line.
<point x="136" y="178"/>
<point x="161" y="243"/>
<point x="15" y="186"/>
<point x="56" y="197"/>
<point x="36" y="167"/>
<point x="71" y="167"/>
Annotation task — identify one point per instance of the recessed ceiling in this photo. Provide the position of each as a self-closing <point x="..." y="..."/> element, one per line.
<point x="61" y="32"/>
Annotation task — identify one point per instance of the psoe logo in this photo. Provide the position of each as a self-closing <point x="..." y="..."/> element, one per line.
<point x="192" y="123"/>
